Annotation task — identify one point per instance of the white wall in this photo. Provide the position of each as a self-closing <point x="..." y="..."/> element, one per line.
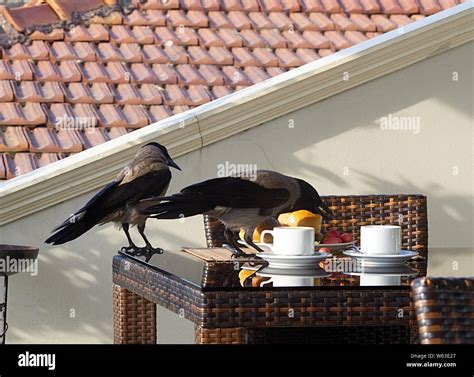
<point x="336" y="144"/>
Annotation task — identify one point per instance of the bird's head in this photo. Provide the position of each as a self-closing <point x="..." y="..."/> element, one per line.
<point x="165" y="153"/>
<point x="310" y="200"/>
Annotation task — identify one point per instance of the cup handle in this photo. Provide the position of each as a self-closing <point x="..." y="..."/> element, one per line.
<point x="262" y="237"/>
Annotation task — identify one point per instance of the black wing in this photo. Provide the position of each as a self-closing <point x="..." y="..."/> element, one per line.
<point x="218" y="192"/>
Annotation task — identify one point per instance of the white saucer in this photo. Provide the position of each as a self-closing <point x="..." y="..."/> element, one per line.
<point x="381" y="260"/>
<point x="310" y="272"/>
<point x="292" y="261"/>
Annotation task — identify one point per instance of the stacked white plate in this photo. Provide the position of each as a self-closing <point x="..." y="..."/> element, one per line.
<point x="381" y="260"/>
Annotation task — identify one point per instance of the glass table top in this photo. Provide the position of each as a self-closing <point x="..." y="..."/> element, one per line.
<point x="314" y="271"/>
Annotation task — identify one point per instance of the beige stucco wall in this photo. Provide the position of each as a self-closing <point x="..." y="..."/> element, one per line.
<point x="336" y="144"/>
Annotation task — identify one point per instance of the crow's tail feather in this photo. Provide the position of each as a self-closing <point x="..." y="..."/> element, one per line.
<point x="69" y="232"/>
<point x="178" y="209"/>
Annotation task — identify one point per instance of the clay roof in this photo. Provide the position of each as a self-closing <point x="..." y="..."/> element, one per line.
<point x="76" y="73"/>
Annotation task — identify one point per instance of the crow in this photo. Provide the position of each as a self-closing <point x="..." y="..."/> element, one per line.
<point x="147" y="175"/>
<point x="240" y="202"/>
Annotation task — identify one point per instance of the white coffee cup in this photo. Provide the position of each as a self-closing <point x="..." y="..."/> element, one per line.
<point x="291" y="240"/>
<point x="380" y="239"/>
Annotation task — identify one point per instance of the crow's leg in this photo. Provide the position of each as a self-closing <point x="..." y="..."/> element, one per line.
<point x="249" y="240"/>
<point x="132" y="249"/>
<point x="232" y="244"/>
<point x="150" y="250"/>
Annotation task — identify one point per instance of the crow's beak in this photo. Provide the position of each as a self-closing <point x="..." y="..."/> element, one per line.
<point x="324" y="212"/>
<point x="173" y="164"/>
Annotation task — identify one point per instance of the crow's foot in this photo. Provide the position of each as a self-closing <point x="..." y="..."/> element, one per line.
<point x="150" y="251"/>
<point x="236" y="252"/>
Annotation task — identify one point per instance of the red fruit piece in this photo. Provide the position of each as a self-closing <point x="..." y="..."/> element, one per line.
<point x="346" y="237"/>
<point x="333" y="234"/>
<point x="332" y="240"/>
<point x="324" y="250"/>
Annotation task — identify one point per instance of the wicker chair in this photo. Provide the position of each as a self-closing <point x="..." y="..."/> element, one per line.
<point x="353" y="211"/>
<point x="444" y="310"/>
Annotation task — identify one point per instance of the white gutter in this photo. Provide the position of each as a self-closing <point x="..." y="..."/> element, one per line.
<point x="247" y="108"/>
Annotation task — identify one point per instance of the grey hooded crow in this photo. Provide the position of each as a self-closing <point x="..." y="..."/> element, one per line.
<point x="146" y="176"/>
<point x="240" y="202"/>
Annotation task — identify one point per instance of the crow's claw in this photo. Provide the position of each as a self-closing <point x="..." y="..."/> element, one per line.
<point x="236" y="252"/>
<point x="152" y="251"/>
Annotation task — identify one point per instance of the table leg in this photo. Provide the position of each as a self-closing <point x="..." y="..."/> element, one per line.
<point x="234" y="335"/>
<point x="134" y="318"/>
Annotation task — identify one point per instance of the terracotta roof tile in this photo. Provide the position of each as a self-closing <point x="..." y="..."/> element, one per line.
<point x="383" y="23"/>
<point x="250" y="5"/>
<point x="274" y="38"/>
<point x="153" y="54"/>
<point x="244" y="57"/>
<point x="94" y="136"/>
<point x="331" y="6"/>
<point x="6" y="91"/>
<point x="188" y="75"/>
<point x="54" y="35"/>
<point x="355" y="37"/>
<point x="177" y="54"/>
<point x="157" y="113"/>
<point x="307" y="55"/>
<point x="13" y="139"/>
<point x="127" y="94"/>
<point x="336" y="40"/>
<point x="30" y="114"/>
<point x="92" y="33"/>
<point x="409" y="6"/>
<point x="187" y="36"/>
<point x="198" y="18"/>
<point x="83" y="93"/>
<point x="177" y="18"/>
<point x="26" y="17"/>
<point x="221" y="55"/>
<point x="84" y="51"/>
<point x="231" y="37"/>
<point x="235" y="76"/>
<point x="32" y="91"/>
<point x="400" y="19"/>
<point x="288" y="58"/>
<point x="219" y="91"/>
<point x="3" y="169"/>
<point x="165" y="73"/>
<point x="198" y="95"/>
<point x="160" y="4"/>
<point x="256" y="74"/>
<point x="249" y="38"/>
<point x="271" y="5"/>
<point x="240" y="20"/>
<point x="342" y="22"/>
<point x="260" y="20"/>
<point x="135" y="116"/>
<point x="429" y="7"/>
<point x="266" y="57"/>
<point x="363" y="22"/>
<point x="311" y="6"/>
<point x="208" y="37"/>
<point x="199" y="55"/>
<point x="280" y="20"/>
<point x="321" y="21"/>
<point x="371" y="6"/>
<point x="103" y="73"/>
<point x="302" y="22"/>
<point x="211" y="74"/>
<point x="390" y="6"/>
<point x="352" y="6"/>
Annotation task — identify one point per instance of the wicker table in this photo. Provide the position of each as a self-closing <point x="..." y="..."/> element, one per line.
<point x="207" y="292"/>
